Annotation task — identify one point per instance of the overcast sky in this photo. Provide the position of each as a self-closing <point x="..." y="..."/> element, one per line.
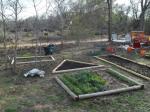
<point x="28" y="9"/>
<point x="122" y="1"/>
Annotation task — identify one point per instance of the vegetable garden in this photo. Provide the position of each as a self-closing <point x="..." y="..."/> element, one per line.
<point x="88" y="84"/>
<point x="128" y="64"/>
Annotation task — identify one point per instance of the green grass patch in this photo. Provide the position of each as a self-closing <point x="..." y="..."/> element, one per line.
<point x="10" y="110"/>
<point x="120" y="77"/>
<point x="26" y="55"/>
<point x="55" y="98"/>
<point x="84" y="82"/>
<point x="95" y="53"/>
<point x="99" y="52"/>
<point x="147" y="55"/>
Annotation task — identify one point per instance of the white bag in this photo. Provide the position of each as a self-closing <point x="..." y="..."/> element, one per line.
<point x="35" y="72"/>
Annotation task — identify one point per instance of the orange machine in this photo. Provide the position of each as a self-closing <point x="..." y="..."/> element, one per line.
<point x="137" y="34"/>
<point x="139" y="38"/>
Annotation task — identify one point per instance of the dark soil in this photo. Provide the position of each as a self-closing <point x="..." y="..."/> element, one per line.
<point x="73" y="65"/>
<point x="112" y="82"/>
<point x="142" y="69"/>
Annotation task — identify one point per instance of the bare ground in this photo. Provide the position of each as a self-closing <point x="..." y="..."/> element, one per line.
<point x="19" y="94"/>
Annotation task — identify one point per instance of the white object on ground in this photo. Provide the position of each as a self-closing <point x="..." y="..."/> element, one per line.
<point x="125" y="47"/>
<point x="126" y="39"/>
<point x="114" y="36"/>
<point x="35" y="72"/>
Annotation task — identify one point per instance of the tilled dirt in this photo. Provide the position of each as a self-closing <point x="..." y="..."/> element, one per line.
<point x="142" y="69"/>
<point x="73" y="65"/>
<point x="112" y="82"/>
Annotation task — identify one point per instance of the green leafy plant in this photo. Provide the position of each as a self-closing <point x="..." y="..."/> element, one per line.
<point x="10" y="110"/>
<point x="71" y="86"/>
<point x="84" y="82"/>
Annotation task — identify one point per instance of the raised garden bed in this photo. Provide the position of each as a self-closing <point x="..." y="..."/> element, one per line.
<point x="133" y="67"/>
<point x="31" y="59"/>
<point x="147" y="55"/>
<point x="71" y="65"/>
<point x="88" y="84"/>
<point x="25" y="62"/>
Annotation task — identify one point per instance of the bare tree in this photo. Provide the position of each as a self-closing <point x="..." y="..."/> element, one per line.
<point x="139" y="15"/>
<point x="60" y="5"/>
<point x="16" y="9"/>
<point x="109" y="2"/>
<point x="60" y="11"/>
<point x="2" y="12"/>
<point x="135" y="8"/>
<point x="144" y="6"/>
<point x="36" y="29"/>
<point x="121" y="18"/>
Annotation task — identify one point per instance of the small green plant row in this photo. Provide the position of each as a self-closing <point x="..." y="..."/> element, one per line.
<point x="94" y="53"/>
<point x="84" y="82"/>
<point x="120" y="77"/>
<point x="147" y="55"/>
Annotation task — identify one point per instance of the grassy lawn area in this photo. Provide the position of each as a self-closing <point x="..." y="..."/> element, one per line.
<point x="19" y="94"/>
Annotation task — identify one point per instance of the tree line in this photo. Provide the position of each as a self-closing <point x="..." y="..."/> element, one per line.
<point x="80" y="18"/>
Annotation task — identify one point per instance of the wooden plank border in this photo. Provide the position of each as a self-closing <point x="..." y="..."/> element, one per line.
<point x="34" y="57"/>
<point x="110" y="92"/>
<point x="142" y="64"/>
<point x="72" y="94"/>
<point x="123" y="68"/>
<point x="138" y="86"/>
<point x="30" y="62"/>
<point x="76" y="69"/>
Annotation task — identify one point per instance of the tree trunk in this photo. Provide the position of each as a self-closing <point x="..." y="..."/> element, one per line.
<point x="4" y="32"/>
<point x="142" y="22"/>
<point x="4" y="38"/>
<point x="36" y="32"/>
<point x="110" y="19"/>
<point x="16" y="34"/>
